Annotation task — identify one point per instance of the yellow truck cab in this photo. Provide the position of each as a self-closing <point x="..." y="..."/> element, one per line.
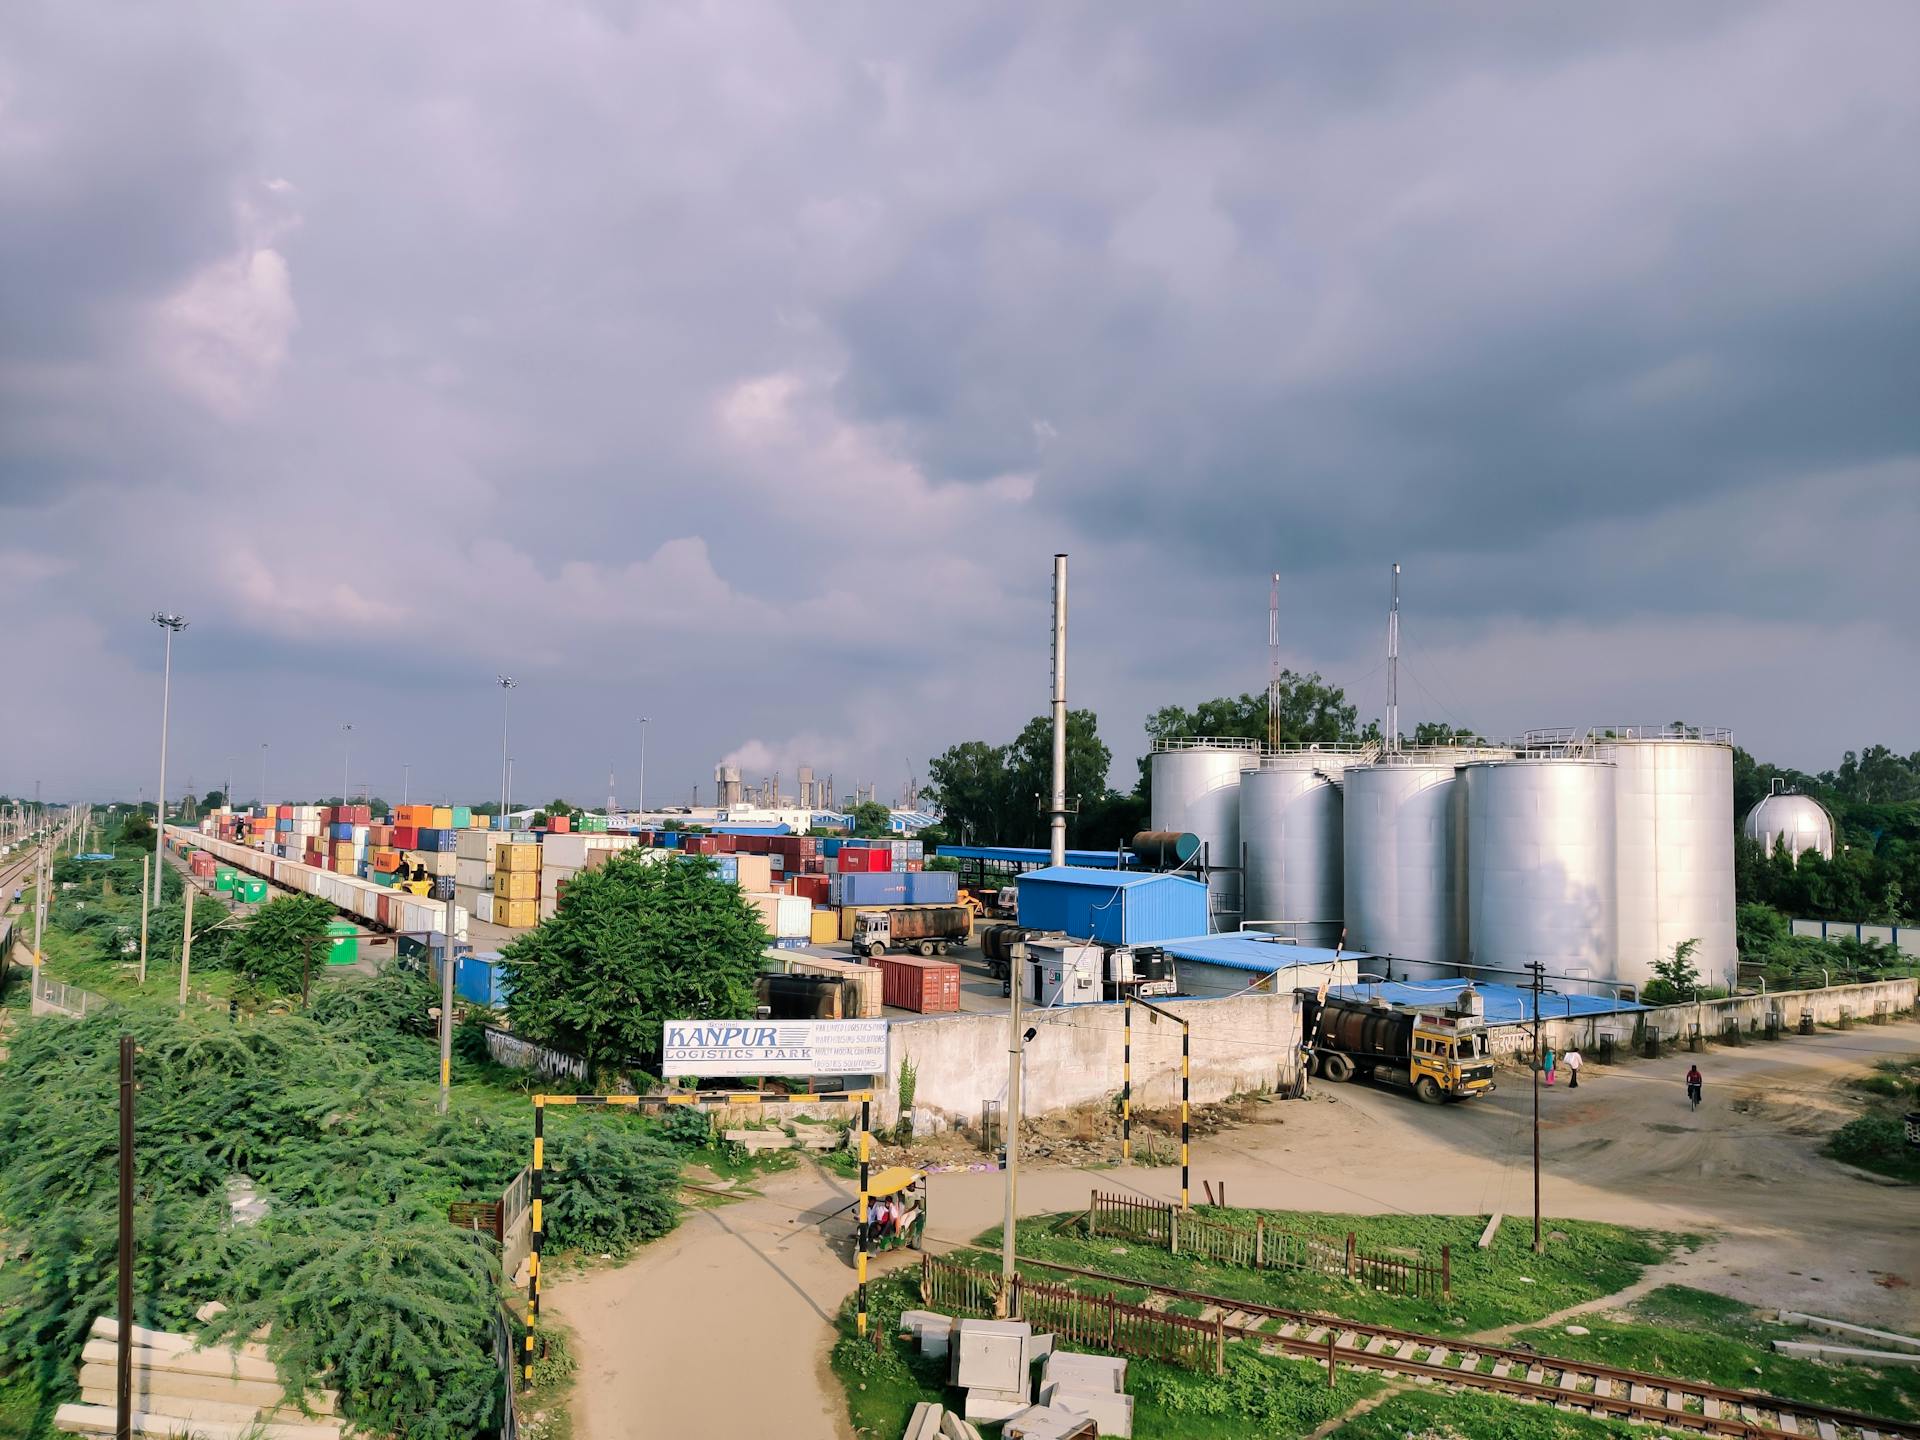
<point x="1438" y="1057"/>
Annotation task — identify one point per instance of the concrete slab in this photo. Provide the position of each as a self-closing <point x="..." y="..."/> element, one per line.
<point x="954" y="1428"/>
<point x="1108" y="1409"/>
<point x="1050" y="1422"/>
<point x="924" y="1423"/>
<point x="1078" y="1371"/>
<point x="992" y="1355"/>
<point x="1849" y="1354"/>
<point x="985" y="1406"/>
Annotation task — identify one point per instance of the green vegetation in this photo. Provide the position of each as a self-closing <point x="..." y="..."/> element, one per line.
<point x="1675" y="980"/>
<point x="634" y="943"/>
<point x="1877" y="1140"/>
<point x="329" y="1114"/>
<point x="1680" y="1331"/>
<point x="872" y="820"/>
<point x="1453" y="1415"/>
<point x="1503" y="1285"/>
<point x="1259" y="1396"/>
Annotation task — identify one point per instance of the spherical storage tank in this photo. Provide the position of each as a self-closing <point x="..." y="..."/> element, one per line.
<point x="1542" y="871"/>
<point x="1290" y="823"/>
<point x="1196" y="788"/>
<point x="1800" y="820"/>
<point x="1404" y="847"/>
<point x="1673" y="796"/>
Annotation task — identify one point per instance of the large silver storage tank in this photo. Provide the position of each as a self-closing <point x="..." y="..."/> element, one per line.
<point x="1404" y="847"/>
<point x="1673" y="795"/>
<point x="1196" y="788"/>
<point x="1543" y="872"/>
<point x="1800" y="820"/>
<point x="1290" y="823"/>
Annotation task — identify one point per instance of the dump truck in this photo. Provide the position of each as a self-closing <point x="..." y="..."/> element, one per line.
<point x="924" y="929"/>
<point x="1438" y="1056"/>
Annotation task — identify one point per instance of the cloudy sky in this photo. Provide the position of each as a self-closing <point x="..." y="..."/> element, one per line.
<point x="743" y="365"/>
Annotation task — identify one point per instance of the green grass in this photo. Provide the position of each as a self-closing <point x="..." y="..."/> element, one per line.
<point x="1505" y="1284"/>
<point x="1696" y="1335"/>
<point x="1445" y="1415"/>
<point x="1876" y="1139"/>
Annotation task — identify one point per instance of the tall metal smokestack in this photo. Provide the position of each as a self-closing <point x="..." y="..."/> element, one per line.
<point x="1057" y="811"/>
<point x="1393" y="665"/>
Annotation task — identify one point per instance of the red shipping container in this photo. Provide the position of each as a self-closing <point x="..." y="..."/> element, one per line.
<point x="915" y="866"/>
<point x="363" y="814"/>
<point x="559" y="825"/>
<point x="700" y="845"/>
<point x="405" y="837"/>
<point x="383" y="910"/>
<point x="926" y="987"/>
<point x="870" y="862"/>
<point x="816" y="888"/>
<point x="380" y="836"/>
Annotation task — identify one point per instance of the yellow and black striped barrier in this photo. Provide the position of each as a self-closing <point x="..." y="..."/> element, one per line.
<point x="720" y="1098"/>
<point x="1126" y="1088"/>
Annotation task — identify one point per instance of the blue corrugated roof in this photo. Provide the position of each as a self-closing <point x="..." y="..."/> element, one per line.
<point x="1017" y="855"/>
<point x="1255" y="954"/>
<point x="1505" y="1004"/>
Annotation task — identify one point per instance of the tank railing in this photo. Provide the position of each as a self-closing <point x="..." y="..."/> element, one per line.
<point x="1601" y="734"/>
<point x="1204" y="742"/>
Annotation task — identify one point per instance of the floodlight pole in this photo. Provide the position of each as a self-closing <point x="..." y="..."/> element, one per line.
<point x="123" y="1367"/>
<point x="171" y="624"/>
<point x="1016" y="1045"/>
<point x="446" y="1011"/>
<point x="1539" y="975"/>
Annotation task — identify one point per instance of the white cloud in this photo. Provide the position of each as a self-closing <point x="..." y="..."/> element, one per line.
<point x="223" y="336"/>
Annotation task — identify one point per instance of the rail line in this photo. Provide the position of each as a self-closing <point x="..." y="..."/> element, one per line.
<point x="1524" y="1374"/>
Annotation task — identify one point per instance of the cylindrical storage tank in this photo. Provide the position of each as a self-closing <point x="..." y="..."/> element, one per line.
<point x="1799" y="820"/>
<point x="1290" y="824"/>
<point x="1543" y="871"/>
<point x="1404" y="848"/>
<point x="1673" y="797"/>
<point x="1165" y="849"/>
<point x="1196" y="788"/>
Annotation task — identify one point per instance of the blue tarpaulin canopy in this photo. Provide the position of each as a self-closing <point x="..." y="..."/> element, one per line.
<point x="1505" y="1004"/>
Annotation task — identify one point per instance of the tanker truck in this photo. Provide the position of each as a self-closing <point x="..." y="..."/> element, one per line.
<point x="923" y="929"/>
<point x="1439" y="1057"/>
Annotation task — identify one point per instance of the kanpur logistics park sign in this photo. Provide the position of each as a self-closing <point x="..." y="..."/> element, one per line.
<point x="775" y="1047"/>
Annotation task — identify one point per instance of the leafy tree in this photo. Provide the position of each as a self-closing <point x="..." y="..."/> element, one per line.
<point x="872" y="820"/>
<point x="997" y="795"/>
<point x="272" y="950"/>
<point x="1436" y="732"/>
<point x="634" y="944"/>
<point x="1311" y="712"/>
<point x="135" y="830"/>
<point x="213" y="800"/>
<point x="1675" y="981"/>
<point x="971" y="787"/>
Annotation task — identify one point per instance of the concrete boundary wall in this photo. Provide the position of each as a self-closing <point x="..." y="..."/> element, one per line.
<point x="1245" y="1043"/>
<point x="1713" y="1017"/>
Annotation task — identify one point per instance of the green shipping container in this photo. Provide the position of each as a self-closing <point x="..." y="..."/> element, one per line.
<point x="223" y="878"/>
<point x="343" y="942"/>
<point x="462" y="817"/>
<point x="252" y="891"/>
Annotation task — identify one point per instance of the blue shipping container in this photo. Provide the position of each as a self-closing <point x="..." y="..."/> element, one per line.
<point x="933" y="887"/>
<point x="342" y="832"/>
<point x="1112" y="906"/>
<point x="831" y="846"/>
<point x="667" y="840"/>
<point x="882" y="887"/>
<point x="438" y="840"/>
<point x="478" y="979"/>
<point x="729" y="866"/>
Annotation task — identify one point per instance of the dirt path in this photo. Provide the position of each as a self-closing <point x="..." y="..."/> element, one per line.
<point x="720" y="1330"/>
<point x="723" y="1329"/>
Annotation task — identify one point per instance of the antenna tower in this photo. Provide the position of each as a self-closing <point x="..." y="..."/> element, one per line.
<point x="1273" y="663"/>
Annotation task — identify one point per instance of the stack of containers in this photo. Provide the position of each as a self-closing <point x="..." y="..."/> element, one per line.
<point x="564" y="854"/>
<point x="473" y="870"/>
<point x="516" y="881"/>
<point x="788" y="918"/>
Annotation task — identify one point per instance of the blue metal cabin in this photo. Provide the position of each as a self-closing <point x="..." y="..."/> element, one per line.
<point x="1114" y="907"/>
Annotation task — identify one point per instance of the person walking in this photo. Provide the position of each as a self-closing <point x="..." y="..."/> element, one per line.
<point x="1573" y="1062"/>
<point x="1547" y="1062"/>
<point x="1693" y="1086"/>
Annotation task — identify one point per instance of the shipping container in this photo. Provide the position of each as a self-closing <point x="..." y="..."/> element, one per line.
<point x="483" y="907"/>
<point x="515" y="914"/>
<point x="932" y="887"/>
<point x="855" y="888"/>
<point x="926" y="987"/>
<point x="478" y="979"/>
<point x="516" y="884"/>
<point x="825" y="927"/>
<point x="518" y="859"/>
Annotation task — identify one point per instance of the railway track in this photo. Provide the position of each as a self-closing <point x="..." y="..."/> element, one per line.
<point x="1659" y="1400"/>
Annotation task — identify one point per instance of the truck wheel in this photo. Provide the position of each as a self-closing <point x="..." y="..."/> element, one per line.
<point x="1428" y="1089"/>
<point x="927" y="947"/>
<point x="875" y="951"/>
<point x="1337" y="1066"/>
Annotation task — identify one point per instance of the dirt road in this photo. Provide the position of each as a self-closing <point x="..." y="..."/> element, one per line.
<point x="723" y="1329"/>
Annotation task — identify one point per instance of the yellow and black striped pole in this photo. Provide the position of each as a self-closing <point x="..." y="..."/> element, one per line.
<point x="539" y="1232"/>
<point x="1185" y="1072"/>
<point x="1126" y="1082"/>
<point x="860" y="1254"/>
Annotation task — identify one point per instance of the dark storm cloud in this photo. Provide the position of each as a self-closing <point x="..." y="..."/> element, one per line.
<point x="716" y="361"/>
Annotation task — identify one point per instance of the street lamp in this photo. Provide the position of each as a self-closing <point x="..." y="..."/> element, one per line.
<point x="506" y="684"/>
<point x="643" y="766"/>
<point x="171" y="624"/>
<point x="263" y="774"/>
<point x="346" y="750"/>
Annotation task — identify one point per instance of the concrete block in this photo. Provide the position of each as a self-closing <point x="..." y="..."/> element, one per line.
<point x="1861" y="1335"/>
<point x="1050" y="1422"/>
<point x="954" y="1428"/>
<point x="991" y="1354"/>
<point x="1040" y="1348"/>
<point x="986" y="1405"/>
<point x="1849" y="1354"/>
<point x="924" y="1423"/>
<point x="101" y="1420"/>
<point x="1076" y="1371"/>
<point x="1109" y="1409"/>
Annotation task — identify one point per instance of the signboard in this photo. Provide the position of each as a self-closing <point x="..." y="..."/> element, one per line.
<point x="775" y="1047"/>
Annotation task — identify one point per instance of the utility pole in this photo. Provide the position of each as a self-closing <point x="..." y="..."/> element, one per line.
<point x="123" y="1367"/>
<point x="406" y="784"/>
<point x="145" y="861"/>
<point x="263" y="773"/>
<point x="346" y="760"/>
<point x="1393" y="664"/>
<point x="1016" y="1046"/>
<point x="172" y="624"/>
<point x="643" y="764"/>
<point x="446" y="1011"/>
<point x="1057" y="817"/>
<point x="186" y="949"/>
<point x="1539" y="976"/>
<point x="505" y="683"/>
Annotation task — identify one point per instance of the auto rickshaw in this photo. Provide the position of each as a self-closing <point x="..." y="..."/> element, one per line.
<point x="896" y="1209"/>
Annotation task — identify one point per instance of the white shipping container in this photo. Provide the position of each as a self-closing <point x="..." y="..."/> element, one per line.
<point x="483" y="907"/>
<point x="440" y="862"/>
<point x="789" y="917"/>
<point x="551" y="879"/>
<point x="360" y="837"/>
<point x="470" y="873"/>
<point x="468" y="896"/>
<point x="476" y="844"/>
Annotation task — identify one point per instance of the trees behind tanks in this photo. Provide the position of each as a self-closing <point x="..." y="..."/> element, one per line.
<point x="631" y="945"/>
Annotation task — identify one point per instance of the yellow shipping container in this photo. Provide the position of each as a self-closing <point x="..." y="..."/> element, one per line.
<point x="442" y="818"/>
<point x="826" y="927"/>
<point x="516" y="857"/>
<point x="516" y="884"/>
<point x="515" y="914"/>
<point x="343" y="850"/>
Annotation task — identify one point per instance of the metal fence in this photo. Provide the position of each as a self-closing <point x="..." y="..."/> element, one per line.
<point x="504" y="1358"/>
<point x="504" y="1221"/>
<point x="1078" y="1318"/>
<point x="63" y="999"/>
<point x="1267" y="1247"/>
